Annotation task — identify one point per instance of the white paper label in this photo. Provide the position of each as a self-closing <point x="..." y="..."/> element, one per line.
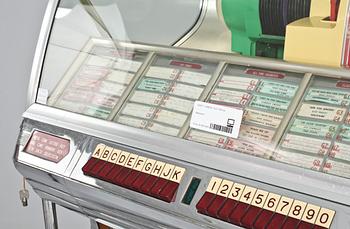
<point x="43" y="94"/>
<point x="216" y="119"/>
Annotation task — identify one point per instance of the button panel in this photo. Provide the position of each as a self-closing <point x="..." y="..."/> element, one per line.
<point x="250" y="207"/>
<point x="145" y="175"/>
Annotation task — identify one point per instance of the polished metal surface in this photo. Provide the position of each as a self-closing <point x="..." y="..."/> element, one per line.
<point x="50" y="215"/>
<point x="210" y="29"/>
<point x="40" y="51"/>
<point x="107" y="202"/>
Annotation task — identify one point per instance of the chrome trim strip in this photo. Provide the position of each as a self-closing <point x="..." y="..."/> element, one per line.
<point x="276" y="174"/>
<point x="196" y="26"/>
<point x="41" y="50"/>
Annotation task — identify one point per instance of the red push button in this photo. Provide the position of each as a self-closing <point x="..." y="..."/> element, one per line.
<point x="215" y="206"/>
<point x="319" y="227"/>
<point x="305" y="225"/>
<point x="226" y="209"/>
<point x="277" y="221"/>
<point x="263" y="219"/>
<point x="140" y="180"/>
<point x="130" y="179"/>
<point x="148" y="185"/>
<point x="250" y="216"/>
<point x="124" y="172"/>
<point x="105" y="170"/>
<point x="97" y="168"/>
<point x="158" y="187"/>
<point x="238" y="213"/>
<point x="113" y="173"/>
<point x="205" y="202"/>
<point x="290" y="223"/>
<point x="89" y="165"/>
<point x="169" y="191"/>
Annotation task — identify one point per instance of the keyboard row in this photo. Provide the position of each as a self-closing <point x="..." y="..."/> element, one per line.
<point x="253" y="208"/>
<point x="144" y="175"/>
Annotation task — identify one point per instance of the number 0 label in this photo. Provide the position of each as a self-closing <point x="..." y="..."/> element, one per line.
<point x="325" y="217"/>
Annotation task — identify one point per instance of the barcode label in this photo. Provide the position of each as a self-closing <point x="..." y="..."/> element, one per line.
<point x="217" y="119"/>
<point x="221" y="128"/>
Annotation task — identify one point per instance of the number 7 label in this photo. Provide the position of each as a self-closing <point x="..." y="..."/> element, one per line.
<point x="284" y="205"/>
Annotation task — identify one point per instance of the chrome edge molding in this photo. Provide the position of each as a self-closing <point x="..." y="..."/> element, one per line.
<point x="204" y="7"/>
<point x="40" y="50"/>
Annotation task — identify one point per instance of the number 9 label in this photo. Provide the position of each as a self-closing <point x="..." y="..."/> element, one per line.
<point x="311" y="213"/>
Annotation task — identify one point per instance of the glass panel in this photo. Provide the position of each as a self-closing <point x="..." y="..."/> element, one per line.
<point x="97" y="80"/>
<point x="265" y="97"/>
<point x="87" y="70"/>
<point x="319" y="135"/>
<point x="163" y="98"/>
<point x="93" y="68"/>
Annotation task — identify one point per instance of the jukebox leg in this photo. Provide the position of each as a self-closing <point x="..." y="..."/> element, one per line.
<point x="50" y="215"/>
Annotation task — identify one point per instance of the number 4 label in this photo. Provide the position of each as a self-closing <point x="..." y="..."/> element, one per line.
<point x="248" y="195"/>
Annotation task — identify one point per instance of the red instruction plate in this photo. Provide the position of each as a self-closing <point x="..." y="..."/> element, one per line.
<point x="47" y="146"/>
<point x="264" y="73"/>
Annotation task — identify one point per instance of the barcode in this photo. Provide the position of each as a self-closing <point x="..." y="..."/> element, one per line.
<point x="221" y="128"/>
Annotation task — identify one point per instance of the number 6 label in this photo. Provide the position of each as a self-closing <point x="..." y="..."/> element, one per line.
<point x="272" y="202"/>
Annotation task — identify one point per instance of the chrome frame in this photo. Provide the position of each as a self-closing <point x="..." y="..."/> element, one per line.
<point x="193" y="30"/>
<point x="246" y="165"/>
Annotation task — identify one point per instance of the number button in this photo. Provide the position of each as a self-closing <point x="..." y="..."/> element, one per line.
<point x="311" y="213"/>
<point x="225" y="188"/>
<point x="214" y="185"/>
<point x="325" y="218"/>
<point x="297" y="209"/>
<point x="247" y="195"/>
<point x="260" y="198"/>
<point x="236" y="191"/>
<point x="284" y="205"/>
<point x="272" y="202"/>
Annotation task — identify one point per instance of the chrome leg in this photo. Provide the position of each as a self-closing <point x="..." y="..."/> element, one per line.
<point x="50" y="215"/>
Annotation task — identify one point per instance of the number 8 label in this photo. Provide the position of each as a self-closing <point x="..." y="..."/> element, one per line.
<point x="297" y="209"/>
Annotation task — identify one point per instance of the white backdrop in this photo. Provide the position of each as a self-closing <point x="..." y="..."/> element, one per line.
<point x="20" y="23"/>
